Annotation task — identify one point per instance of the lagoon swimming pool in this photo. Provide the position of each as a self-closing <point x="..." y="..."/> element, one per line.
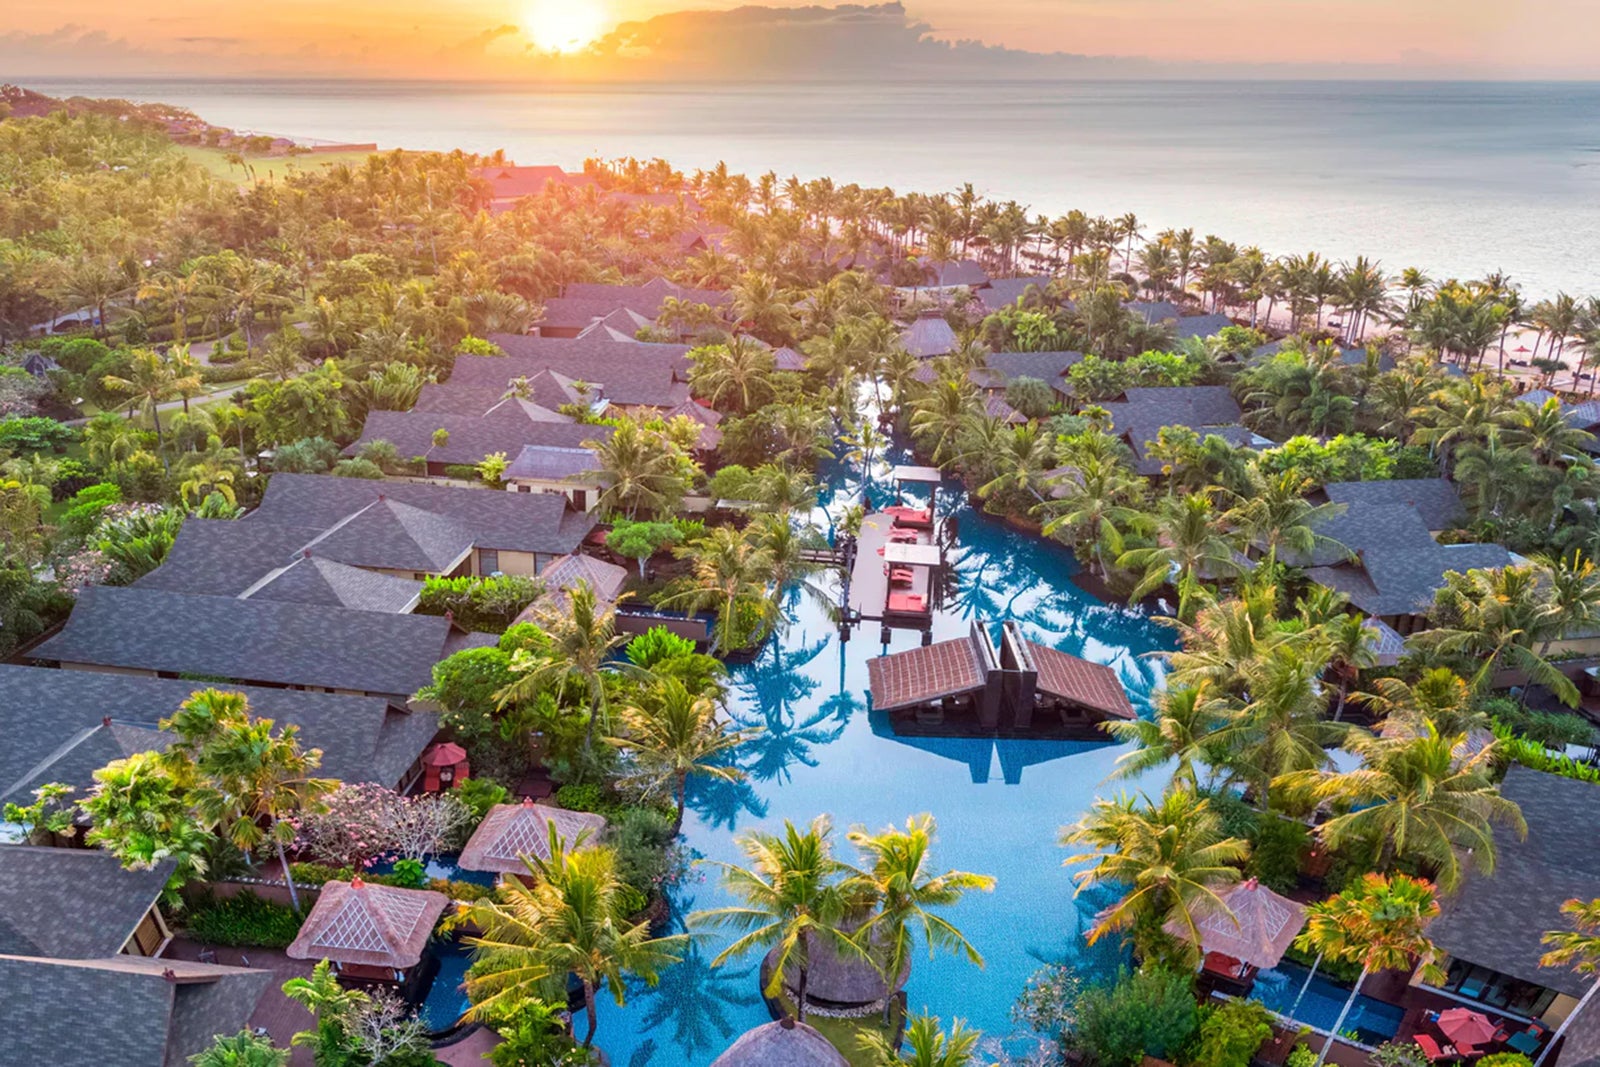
<point x="999" y="803"/>
<point x="1374" y="1021"/>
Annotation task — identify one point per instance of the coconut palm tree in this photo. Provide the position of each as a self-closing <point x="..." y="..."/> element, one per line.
<point x="1579" y="949"/>
<point x="1191" y="545"/>
<point x="1182" y="730"/>
<point x="1572" y="587"/>
<point x="1439" y="696"/>
<point x="1281" y="727"/>
<point x="1426" y="797"/>
<point x="736" y="376"/>
<point x="1462" y="412"/>
<point x="1097" y="505"/>
<point x="330" y="1004"/>
<point x="941" y="414"/>
<point x="151" y="381"/>
<point x="730" y="574"/>
<point x="582" y="639"/>
<point x="566" y="918"/>
<point x="1379" y="923"/>
<point x="674" y="734"/>
<point x="793" y="895"/>
<point x="1545" y="432"/>
<point x="1171" y="858"/>
<point x="895" y="872"/>
<point x="639" y="469"/>
<point x="924" y="1044"/>
<point x="1275" y="515"/>
<point x="1350" y="644"/>
<point x="1498" y="618"/>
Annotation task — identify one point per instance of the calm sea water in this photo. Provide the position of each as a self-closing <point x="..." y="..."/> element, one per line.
<point x="1458" y="178"/>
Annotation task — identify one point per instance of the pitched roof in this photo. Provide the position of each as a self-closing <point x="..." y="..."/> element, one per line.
<point x="510" y="182"/>
<point x="1435" y="500"/>
<point x="124" y="1009"/>
<point x="369" y="924"/>
<point x="511" y="831"/>
<point x="656" y="289"/>
<point x="510" y="522"/>
<point x="919" y="675"/>
<point x="46" y="714"/>
<point x="781" y="1044"/>
<point x="1400" y="578"/>
<point x="606" y="579"/>
<point x="929" y="335"/>
<point x="223" y="557"/>
<point x="259" y="641"/>
<point x="1070" y="678"/>
<point x="72" y="903"/>
<point x="550" y="464"/>
<point x="472" y="437"/>
<point x="708" y="418"/>
<point x="1154" y="312"/>
<point x="1257" y="927"/>
<point x="787" y="359"/>
<point x="1004" y="292"/>
<point x="1499" y="920"/>
<point x="314" y="580"/>
<point x="1049" y="367"/>
<point x="1200" y="325"/>
<point x="571" y="312"/>
<point x="627" y="372"/>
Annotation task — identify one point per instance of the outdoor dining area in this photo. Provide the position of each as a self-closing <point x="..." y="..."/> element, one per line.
<point x="1460" y="1034"/>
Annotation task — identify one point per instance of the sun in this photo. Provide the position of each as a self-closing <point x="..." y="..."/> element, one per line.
<point x="564" y="25"/>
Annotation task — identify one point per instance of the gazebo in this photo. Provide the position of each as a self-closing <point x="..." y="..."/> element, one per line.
<point x="785" y="1043"/>
<point x="369" y="932"/>
<point x="512" y="831"/>
<point x="837" y="982"/>
<point x="443" y="767"/>
<point x="1252" y="935"/>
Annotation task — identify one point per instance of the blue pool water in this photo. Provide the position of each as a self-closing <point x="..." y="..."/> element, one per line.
<point x="999" y="804"/>
<point x="446" y="1000"/>
<point x="1374" y="1020"/>
<point x="442" y="866"/>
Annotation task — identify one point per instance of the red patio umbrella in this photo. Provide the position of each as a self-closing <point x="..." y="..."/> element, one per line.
<point x="1464" y="1026"/>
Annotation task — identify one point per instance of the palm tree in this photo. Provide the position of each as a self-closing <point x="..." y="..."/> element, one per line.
<point x="1379" y="922"/>
<point x="737" y="374"/>
<point x="925" y="1045"/>
<point x="793" y="896"/>
<point x="1351" y="649"/>
<point x="252" y="781"/>
<point x="151" y="380"/>
<point x="673" y="734"/>
<point x="1097" y="505"/>
<point x="1496" y="617"/>
<point x="1425" y="796"/>
<point x="1281" y="726"/>
<point x="583" y="635"/>
<point x="940" y="414"/>
<point x="730" y="575"/>
<point x="1439" y="696"/>
<point x="566" y="918"/>
<point x="1545" y="432"/>
<point x="1276" y="514"/>
<point x="1460" y="413"/>
<point x="758" y="306"/>
<point x="1578" y="949"/>
<point x="1172" y="858"/>
<point x="1572" y="588"/>
<point x="330" y="1004"/>
<point x="243" y="1049"/>
<point x="896" y="872"/>
<point x="1191" y="545"/>
<point x="639" y="469"/>
<point x="1186" y="719"/>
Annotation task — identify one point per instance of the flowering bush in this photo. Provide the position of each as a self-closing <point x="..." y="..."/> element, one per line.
<point x="364" y="821"/>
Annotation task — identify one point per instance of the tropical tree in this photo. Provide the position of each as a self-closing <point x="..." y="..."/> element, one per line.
<point x="793" y="896"/>
<point x="1279" y="726"/>
<point x="1352" y="648"/>
<point x="1497" y="618"/>
<point x="150" y="381"/>
<point x="736" y="375"/>
<point x="1579" y="949"/>
<point x="639" y="469"/>
<point x="243" y="1049"/>
<point x="1096" y="504"/>
<point x="139" y="811"/>
<point x="941" y="413"/>
<point x="674" y="734"/>
<point x="1275" y="514"/>
<point x="1427" y="797"/>
<point x="1191" y="545"/>
<point x="730" y="575"/>
<point x="331" y="1005"/>
<point x="1171" y="858"/>
<point x="924" y="1044"/>
<point x="1182" y="730"/>
<point x="1379" y="923"/>
<point x="566" y="918"/>
<point x="896" y="872"/>
<point x="579" y="653"/>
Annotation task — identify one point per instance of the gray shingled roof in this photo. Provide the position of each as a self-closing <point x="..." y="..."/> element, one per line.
<point x="314" y="580"/>
<point x="1049" y="367"/>
<point x="224" y="557"/>
<point x="71" y="903"/>
<point x="509" y="522"/>
<point x="627" y="372"/>
<point x="550" y="464"/>
<point x="384" y="532"/>
<point x="1200" y="325"/>
<point x="47" y="715"/>
<point x="249" y="640"/>
<point x="1435" y="500"/>
<point x="1004" y="292"/>
<point x="121" y="1010"/>
<point x="647" y="297"/>
<point x="929" y="335"/>
<point x="1154" y="312"/>
<point x="1499" y="920"/>
<point x="472" y="437"/>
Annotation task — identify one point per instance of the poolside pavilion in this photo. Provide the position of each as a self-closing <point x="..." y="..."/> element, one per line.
<point x="1252" y="936"/>
<point x="370" y="933"/>
<point x="784" y="1043"/>
<point x="513" y="831"/>
<point x="893" y="565"/>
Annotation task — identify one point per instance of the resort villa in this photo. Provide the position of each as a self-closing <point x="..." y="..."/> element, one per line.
<point x="1140" y="414"/>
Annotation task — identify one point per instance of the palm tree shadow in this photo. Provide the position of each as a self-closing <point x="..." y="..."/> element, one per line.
<point x="694" y="999"/>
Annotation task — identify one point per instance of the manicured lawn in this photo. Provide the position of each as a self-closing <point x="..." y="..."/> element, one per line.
<point x="215" y="160"/>
<point x="845" y="1032"/>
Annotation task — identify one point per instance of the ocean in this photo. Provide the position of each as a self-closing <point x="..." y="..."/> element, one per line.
<point x="1459" y="179"/>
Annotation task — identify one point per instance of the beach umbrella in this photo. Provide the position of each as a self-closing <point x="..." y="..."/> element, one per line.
<point x="1256" y="929"/>
<point x="1464" y="1026"/>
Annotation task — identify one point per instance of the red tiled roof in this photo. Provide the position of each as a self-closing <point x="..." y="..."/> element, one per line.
<point x="1070" y="678"/>
<point x="918" y="675"/>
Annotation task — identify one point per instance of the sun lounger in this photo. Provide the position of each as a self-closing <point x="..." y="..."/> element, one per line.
<point x="901" y="575"/>
<point x="1432" y="1049"/>
<point x="908" y="603"/>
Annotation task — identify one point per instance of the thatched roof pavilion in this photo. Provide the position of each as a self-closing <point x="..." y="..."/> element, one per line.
<point x="781" y="1044"/>
<point x="512" y="831"/>
<point x="837" y="981"/>
<point x="1261" y="927"/>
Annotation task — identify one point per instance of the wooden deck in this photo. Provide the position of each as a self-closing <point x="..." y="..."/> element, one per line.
<point x="869" y="580"/>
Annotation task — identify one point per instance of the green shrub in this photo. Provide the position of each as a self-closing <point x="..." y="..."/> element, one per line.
<point x="733" y="482"/>
<point x="485" y="604"/>
<point x="481" y="794"/>
<point x="642" y="838"/>
<point x="408" y="874"/>
<point x="1150" y="1012"/>
<point x="583" y="797"/>
<point x="467" y="472"/>
<point x="1231" y="1034"/>
<point x="463" y="891"/>
<point x="1400" y="1054"/>
<point x="314" y="874"/>
<point x="657" y="645"/>
<point x="1505" y="1059"/>
<point x="35" y="434"/>
<point x="1552" y="729"/>
<point x="1277" y="848"/>
<point x="1300" y="1056"/>
<point x="243" y="921"/>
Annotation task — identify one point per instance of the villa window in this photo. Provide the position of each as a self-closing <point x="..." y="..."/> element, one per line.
<point x="488" y="560"/>
<point x="1476" y="982"/>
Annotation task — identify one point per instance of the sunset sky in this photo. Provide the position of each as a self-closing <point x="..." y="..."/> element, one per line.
<point x="513" y="38"/>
